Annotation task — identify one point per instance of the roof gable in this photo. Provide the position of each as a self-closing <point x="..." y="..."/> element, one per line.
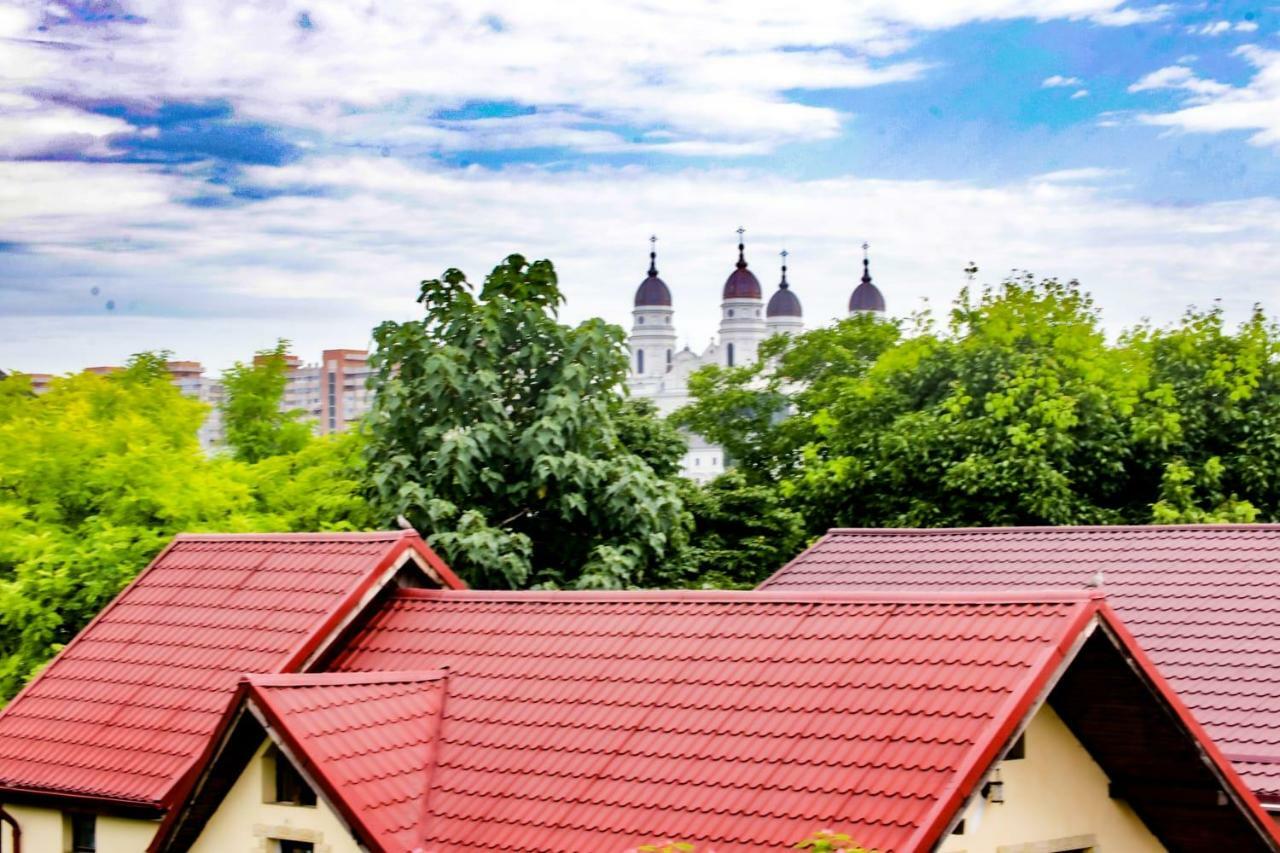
<point x="119" y="716"/>
<point x="1201" y="600"/>
<point x="369" y="741"/>
<point x="591" y="721"/>
<point x="738" y="721"/>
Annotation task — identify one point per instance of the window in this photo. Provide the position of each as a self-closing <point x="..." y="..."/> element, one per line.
<point x="640" y="361"/>
<point x="730" y="312"/>
<point x="729" y="354"/>
<point x="84" y="832"/>
<point x="640" y="321"/>
<point x="285" y="845"/>
<point x="1018" y="750"/>
<point x="668" y="358"/>
<point x="286" y="785"/>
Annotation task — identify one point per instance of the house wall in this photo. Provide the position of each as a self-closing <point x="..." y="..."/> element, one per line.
<point x="243" y="822"/>
<point x="44" y="831"/>
<point x="1055" y="799"/>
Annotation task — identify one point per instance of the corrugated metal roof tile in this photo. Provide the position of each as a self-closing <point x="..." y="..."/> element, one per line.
<point x="597" y="722"/>
<point x="1201" y="600"/>
<point x="133" y="700"/>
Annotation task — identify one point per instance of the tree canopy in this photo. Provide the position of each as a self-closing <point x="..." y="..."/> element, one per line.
<point x="97" y="474"/>
<point x="255" y="424"/>
<point x="498" y="431"/>
<point x="1018" y="410"/>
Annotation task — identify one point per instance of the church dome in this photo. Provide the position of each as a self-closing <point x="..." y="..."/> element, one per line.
<point x="742" y="282"/>
<point x="783" y="303"/>
<point x="866" y="296"/>
<point x="653" y="291"/>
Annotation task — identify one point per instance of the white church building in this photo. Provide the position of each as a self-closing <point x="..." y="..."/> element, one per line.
<point x="660" y="372"/>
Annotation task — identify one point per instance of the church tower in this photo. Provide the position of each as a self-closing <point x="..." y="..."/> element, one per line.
<point x="653" y="335"/>
<point x="742" y="325"/>
<point x="783" y="315"/>
<point x="866" y="296"/>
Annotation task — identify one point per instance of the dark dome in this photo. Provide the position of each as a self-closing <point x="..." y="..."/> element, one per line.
<point x="784" y="303"/>
<point x="866" y="296"/>
<point x="742" y="282"/>
<point x="653" y="290"/>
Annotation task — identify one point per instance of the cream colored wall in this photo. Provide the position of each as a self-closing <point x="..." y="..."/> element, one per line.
<point x="243" y="822"/>
<point x="1054" y="799"/>
<point x="45" y="831"/>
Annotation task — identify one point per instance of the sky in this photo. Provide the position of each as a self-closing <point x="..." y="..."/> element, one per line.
<point x="207" y="177"/>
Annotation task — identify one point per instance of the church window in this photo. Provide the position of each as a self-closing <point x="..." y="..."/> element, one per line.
<point x="668" y="358"/>
<point x="757" y="312"/>
<point x="640" y="361"/>
<point x="729" y="354"/>
<point x="730" y="312"/>
<point x="640" y="321"/>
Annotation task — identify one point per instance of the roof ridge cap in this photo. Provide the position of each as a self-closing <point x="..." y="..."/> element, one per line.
<point x="306" y="536"/>
<point x="1049" y="528"/>
<point x="323" y="679"/>
<point x="823" y="595"/>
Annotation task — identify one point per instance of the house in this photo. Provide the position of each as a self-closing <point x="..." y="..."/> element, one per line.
<point x="450" y="720"/>
<point x="1202" y="600"/>
<point x="93" y="750"/>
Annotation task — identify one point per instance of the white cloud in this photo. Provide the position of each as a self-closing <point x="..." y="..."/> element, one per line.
<point x="1213" y="107"/>
<point x="1079" y="93"/>
<point x="1217" y="28"/>
<point x="29" y="127"/>
<point x="216" y="283"/>
<point x="1179" y="77"/>
<point x="1057" y="80"/>
<point x="719" y="77"/>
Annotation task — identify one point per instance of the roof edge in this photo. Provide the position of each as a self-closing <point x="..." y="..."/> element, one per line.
<point x="1014" y="716"/>
<point x="309" y="536"/>
<point x="279" y="732"/>
<point x="1042" y="528"/>
<point x="336" y="679"/>
<point x="63" y="796"/>
<point x="1209" y="750"/>
<point x="819" y="596"/>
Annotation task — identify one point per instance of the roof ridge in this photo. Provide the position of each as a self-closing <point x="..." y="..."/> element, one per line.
<point x="324" y="536"/>
<point x="323" y="679"/>
<point x="1049" y="528"/>
<point x="761" y="596"/>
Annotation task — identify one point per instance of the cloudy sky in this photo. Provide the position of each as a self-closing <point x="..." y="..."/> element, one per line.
<point x="207" y="176"/>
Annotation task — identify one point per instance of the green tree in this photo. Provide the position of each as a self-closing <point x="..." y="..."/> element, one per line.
<point x="742" y="532"/>
<point x="255" y="424"/>
<point x="494" y="431"/>
<point x="97" y="474"/>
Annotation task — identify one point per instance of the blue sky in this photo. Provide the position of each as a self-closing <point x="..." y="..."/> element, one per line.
<point x="208" y="176"/>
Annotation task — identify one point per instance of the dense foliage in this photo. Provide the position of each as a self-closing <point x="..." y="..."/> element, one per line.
<point x="1018" y="411"/>
<point x="255" y="425"/>
<point x="97" y="474"/>
<point x="497" y="431"/>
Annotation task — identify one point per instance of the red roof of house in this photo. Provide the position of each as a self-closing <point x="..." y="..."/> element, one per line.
<point x="1202" y="600"/>
<point x="598" y="721"/>
<point x="122" y="712"/>
<point x="368" y="740"/>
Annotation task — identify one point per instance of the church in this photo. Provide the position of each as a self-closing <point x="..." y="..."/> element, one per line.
<point x="659" y="372"/>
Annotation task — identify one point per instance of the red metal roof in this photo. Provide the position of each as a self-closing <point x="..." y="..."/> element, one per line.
<point x="368" y="740"/>
<point x="122" y="712"/>
<point x="1201" y="599"/>
<point x="599" y="721"/>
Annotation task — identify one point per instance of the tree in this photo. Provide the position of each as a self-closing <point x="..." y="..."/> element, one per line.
<point x="496" y="430"/>
<point x="1018" y="411"/>
<point x="255" y="424"/>
<point x="742" y="532"/>
<point x="96" y="476"/>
